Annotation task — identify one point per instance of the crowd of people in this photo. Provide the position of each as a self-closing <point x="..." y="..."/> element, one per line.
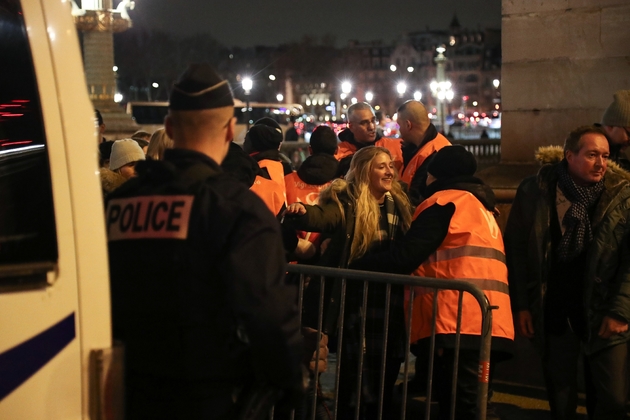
<point x="210" y="319"/>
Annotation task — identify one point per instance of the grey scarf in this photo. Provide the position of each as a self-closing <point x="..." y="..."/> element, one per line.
<point x="577" y="222"/>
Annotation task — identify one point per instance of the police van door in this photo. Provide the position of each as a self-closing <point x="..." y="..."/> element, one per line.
<point x="54" y="295"/>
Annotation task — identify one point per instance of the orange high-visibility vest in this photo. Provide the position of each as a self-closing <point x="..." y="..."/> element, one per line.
<point x="418" y="159"/>
<point x="393" y="145"/>
<point x="473" y="251"/>
<point x="299" y="191"/>
<point x="270" y="192"/>
<point x="276" y="172"/>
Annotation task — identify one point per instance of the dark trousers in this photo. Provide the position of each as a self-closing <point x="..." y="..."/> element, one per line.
<point x="370" y="389"/>
<point x="560" y="368"/>
<point x="467" y="382"/>
<point x="609" y="373"/>
<point x="155" y="398"/>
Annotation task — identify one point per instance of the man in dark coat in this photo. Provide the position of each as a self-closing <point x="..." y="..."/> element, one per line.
<point x="567" y="244"/>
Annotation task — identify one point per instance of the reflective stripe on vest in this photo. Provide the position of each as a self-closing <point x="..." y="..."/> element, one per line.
<point x="472" y="251"/>
<point x="418" y="159"/>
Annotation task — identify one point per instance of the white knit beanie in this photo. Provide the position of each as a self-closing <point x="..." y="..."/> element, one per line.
<point x="123" y="152"/>
<point x="618" y="113"/>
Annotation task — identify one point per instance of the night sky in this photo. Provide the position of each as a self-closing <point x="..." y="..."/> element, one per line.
<point x="240" y="23"/>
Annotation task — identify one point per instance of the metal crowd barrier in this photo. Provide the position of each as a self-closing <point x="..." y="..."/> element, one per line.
<point x="432" y="284"/>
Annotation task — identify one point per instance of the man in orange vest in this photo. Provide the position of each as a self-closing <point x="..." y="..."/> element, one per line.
<point x="454" y="236"/>
<point x="315" y="174"/>
<point x="244" y="168"/>
<point x="420" y="141"/>
<point x="361" y="132"/>
<point x="262" y="142"/>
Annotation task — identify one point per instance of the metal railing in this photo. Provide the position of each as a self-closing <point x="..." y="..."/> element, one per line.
<point x="487" y="151"/>
<point x="427" y="284"/>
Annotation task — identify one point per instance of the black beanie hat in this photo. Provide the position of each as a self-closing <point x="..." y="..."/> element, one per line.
<point x="200" y="87"/>
<point x="105" y="149"/>
<point x="324" y="140"/>
<point x="452" y="161"/>
<point x="265" y="134"/>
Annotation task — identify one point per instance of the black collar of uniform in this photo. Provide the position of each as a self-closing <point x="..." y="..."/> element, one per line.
<point x="409" y="149"/>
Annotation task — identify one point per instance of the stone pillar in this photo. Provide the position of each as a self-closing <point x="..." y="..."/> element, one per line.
<point x="99" y="22"/>
<point x="562" y="62"/>
<point x="98" y="62"/>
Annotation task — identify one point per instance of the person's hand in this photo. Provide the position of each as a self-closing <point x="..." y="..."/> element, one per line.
<point x="295" y="209"/>
<point x="525" y="324"/>
<point x="310" y="350"/>
<point x="611" y="326"/>
<point x="305" y="249"/>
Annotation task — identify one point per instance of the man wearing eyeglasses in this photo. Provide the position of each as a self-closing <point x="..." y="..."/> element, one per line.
<point x="616" y="125"/>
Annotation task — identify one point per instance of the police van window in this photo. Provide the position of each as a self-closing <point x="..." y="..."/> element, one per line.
<point x="27" y="222"/>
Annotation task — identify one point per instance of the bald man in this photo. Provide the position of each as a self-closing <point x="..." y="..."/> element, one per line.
<point x="420" y="141"/>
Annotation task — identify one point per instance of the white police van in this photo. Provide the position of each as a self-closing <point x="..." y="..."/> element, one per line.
<point x="55" y="328"/>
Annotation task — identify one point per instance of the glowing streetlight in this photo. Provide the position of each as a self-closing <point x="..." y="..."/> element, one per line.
<point x="279" y="97"/>
<point x="496" y="83"/>
<point x="393" y="67"/>
<point x="401" y="87"/>
<point x="115" y="68"/>
<point x="272" y="77"/>
<point x="155" y="85"/>
<point x="369" y="96"/>
<point x="118" y="97"/>
<point x="417" y="95"/>
<point x="354" y="100"/>
<point x="247" y="84"/>
<point x="410" y="69"/>
<point x="346" y="87"/>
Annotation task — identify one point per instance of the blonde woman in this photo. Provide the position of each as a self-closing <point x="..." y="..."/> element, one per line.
<point x="362" y="213"/>
<point x="160" y="141"/>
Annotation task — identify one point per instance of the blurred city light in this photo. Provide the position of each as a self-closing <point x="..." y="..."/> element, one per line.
<point x="279" y="97"/>
<point x="417" y="95"/>
<point x="272" y="77"/>
<point x="401" y="87"/>
<point x="346" y="87"/>
<point x="155" y="85"/>
<point x="115" y="68"/>
<point x="496" y="83"/>
<point x="392" y="67"/>
<point x="118" y="97"/>
<point x="247" y="85"/>
<point x="369" y="96"/>
<point x="410" y="69"/>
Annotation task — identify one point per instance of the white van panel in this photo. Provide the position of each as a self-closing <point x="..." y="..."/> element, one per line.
<point x="79" y="285"/>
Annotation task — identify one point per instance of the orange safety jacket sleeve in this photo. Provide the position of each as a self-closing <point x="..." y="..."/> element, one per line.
<point x="424" y="237"/>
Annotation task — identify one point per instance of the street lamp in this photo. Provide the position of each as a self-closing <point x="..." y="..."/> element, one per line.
<point x="247" y="84"/>
<point x="346" y="88"/>
<point x="393" y="67"/>
<point x="496" y="83"/>
<point x="401" y="87"/>
<point x="279" y="97"/>
<point x="369" y="96"/>
<point x="442" y="91"/>
<point x="440" y="86"/>
<point x="417" y="95"/>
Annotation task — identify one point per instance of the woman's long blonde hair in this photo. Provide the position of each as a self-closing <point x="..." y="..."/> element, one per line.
<point x="367" y="212"/>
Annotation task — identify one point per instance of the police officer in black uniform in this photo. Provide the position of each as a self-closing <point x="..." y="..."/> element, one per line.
<point x="197" y="273"/>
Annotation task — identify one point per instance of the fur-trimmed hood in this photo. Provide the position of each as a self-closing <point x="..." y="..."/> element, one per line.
<point x="554" y="154"/>
<point x="110" y="180"/>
